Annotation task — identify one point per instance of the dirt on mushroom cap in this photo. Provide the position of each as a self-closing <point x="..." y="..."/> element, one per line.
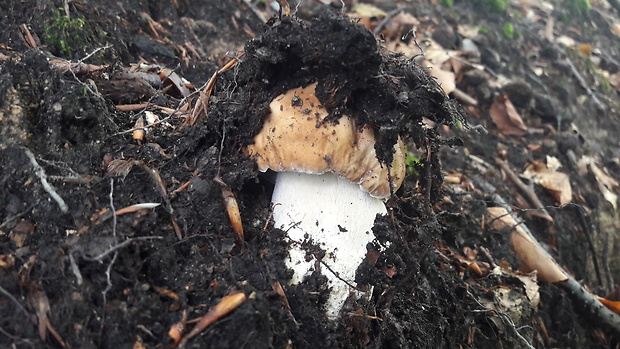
<point x="384" y="91"/>
<point x="295" y="138"/>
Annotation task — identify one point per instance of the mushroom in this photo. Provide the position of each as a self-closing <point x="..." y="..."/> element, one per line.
<point x="329" y="189"/>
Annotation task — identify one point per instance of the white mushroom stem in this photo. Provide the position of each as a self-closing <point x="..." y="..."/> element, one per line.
<point x="333" y="213"/>
<point x="329" y="185"/>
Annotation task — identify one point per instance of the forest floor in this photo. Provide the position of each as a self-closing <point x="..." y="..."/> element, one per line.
<point x="538" y="83"/>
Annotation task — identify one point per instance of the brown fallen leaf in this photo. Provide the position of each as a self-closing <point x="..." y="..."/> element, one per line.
<point x="368" y="15"/>
<point x="611" y="305"/>
<point x="615" y="29"/>
<point x="614" y="80"/>
<point x="446" y="79"/>
<point x="531" y="255"/>
<point x="530" y="284"/>
<point x="506" y="117"/>
<point x="607" y="185"/>
<point x="556" y="183"/>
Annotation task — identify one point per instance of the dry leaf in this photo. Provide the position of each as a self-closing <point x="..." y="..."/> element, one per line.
<point x="398" y="25"/>
<point x="171" y="78"/>
<point x="615" y="28"/>
<point x="611" y="305"/>
<point x="553" y="163"/>
<point x="530" y="283"/>
<point x="468" y="31"/>
<point x="368" y="10"/>
<point x="556" y="183"/>
<point x="606" y="184"/>
<point x="531" y="255"/>
<point x="506" y="117"/>
<point x="585" y="49"/>
<point x="445" y="79"/>
<point x="434" y="53"/>
<point x="369" y="15"/>
<point x="614" y="80"/>
<point x="565" y="41"/>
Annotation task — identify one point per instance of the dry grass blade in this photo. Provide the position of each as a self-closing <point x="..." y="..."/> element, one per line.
<point x="232" y="208"/>
<point x="228" y="304"/>
<point x="136" y="208"/>
<point x="201" y="107"/>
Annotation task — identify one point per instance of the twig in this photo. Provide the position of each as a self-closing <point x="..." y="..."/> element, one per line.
<point x="339" y="277"/>
<point x="200" y="109"/>
<point x="588" y="233"/>
<point x="10" y="296"/>
<point x="487" y="255"/>
<point x="464" y="97"/>
<point x="40" y="172"/>
<point x="94" y="52"/>
<point x="108" y="270"/>
<point x="525" y="189"/>
<point x="606" y="317"/>
<point x="503" y="316"/>
<point x="584" y="84"/>
<point x="11" y="219"/>
<point x="119" y="246"/>
<point x="255" y="11"/>
<point x="385" y="20"/>
<point x="76" y="270"/>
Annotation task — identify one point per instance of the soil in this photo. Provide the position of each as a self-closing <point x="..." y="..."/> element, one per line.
<point x="73" y="274"/>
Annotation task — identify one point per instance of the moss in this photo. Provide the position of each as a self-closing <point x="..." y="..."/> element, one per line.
<point x="446" y="3"/>
<point x="494" y="5"/>
<point x="579" y="7"/>
<point x="69" y="37"/>
<point x="508" y="30"/>
<point x="413" y="163"/>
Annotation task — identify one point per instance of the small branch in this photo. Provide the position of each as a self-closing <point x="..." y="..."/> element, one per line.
<point x="525" y="189"/>
<point x="584" y="84"/>
<point x="606" y="317"/>
<point x="385" y="20"/>
<point x="17" y="216"/>
<point x="119" y="246"/>
<point x="10" y="296"/>
<point x="338" y="276"/>
<point x="464" y="97"/>
<point x="40" y="172"/>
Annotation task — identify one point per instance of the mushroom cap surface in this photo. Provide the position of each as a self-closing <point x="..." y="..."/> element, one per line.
<point x="295" y="138"/>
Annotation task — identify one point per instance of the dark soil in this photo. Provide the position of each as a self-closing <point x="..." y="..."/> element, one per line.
<point x="119" y="281"/>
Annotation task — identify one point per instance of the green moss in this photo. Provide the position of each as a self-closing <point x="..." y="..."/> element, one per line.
<point x="494" y="5"/>
<point x="483" y="31"/>
<point x="413" y="163"/>
<point x="579" y="7"/>
<point x="69" y="37"/>
<point x="446" y="3"/>
<point x="508" y="30"/>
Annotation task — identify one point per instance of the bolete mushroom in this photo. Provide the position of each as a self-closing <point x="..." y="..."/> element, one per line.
<point x="329" y="188"/>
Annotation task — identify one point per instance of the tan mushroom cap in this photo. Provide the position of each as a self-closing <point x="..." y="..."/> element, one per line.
<point x="294" y="139"/>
